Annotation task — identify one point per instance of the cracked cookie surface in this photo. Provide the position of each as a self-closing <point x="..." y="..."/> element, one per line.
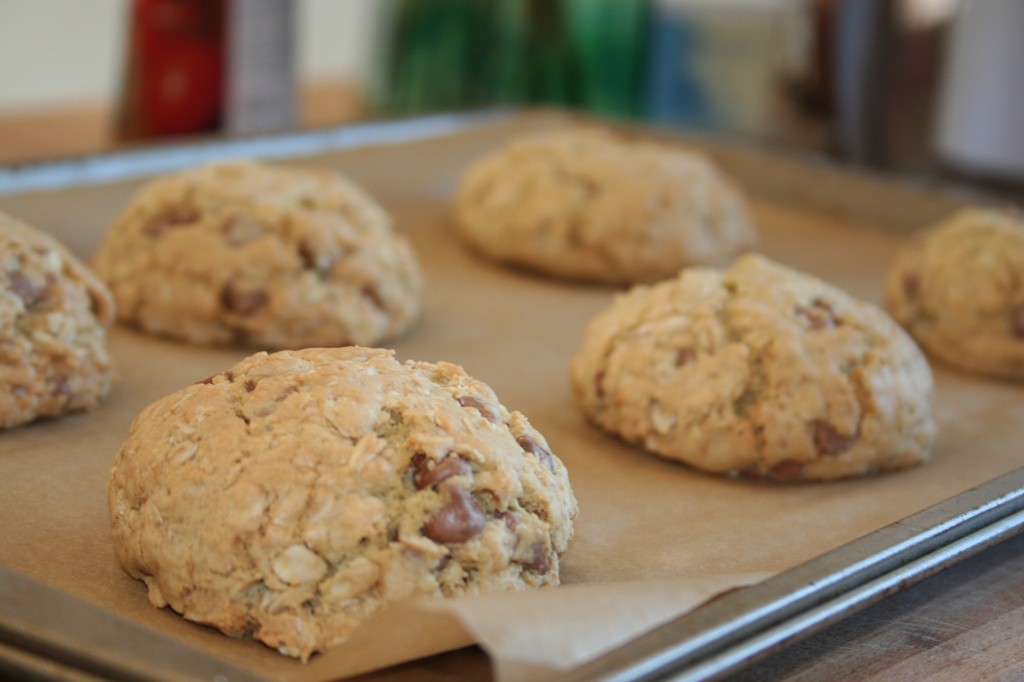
<point x="584" y="204"/>
<point x="53" y="318"/>
<point x="760" y="371"/>
<point x="251" y="254"/>
<point x="959" y="290"/>
<point x="293" y="495"/>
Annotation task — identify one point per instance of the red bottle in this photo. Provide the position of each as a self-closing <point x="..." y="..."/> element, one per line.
<point x="175" y="74"/>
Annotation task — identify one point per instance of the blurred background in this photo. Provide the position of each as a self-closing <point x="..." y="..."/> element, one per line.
<point x="927" y="87"/>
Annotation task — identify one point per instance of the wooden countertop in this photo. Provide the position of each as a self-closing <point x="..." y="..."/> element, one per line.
<point x="964" y="623"/>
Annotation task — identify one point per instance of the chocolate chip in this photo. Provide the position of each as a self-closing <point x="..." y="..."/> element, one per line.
<point x="510" y="519"/>
<point x="824" y="305"/>
<point x="741" y="404"/>
<point x="828" y="441"/>
<point x="308" y="254"/>
<point x="459" y="520"/>
<point x="537" y="559"/>
<point x="911" y="284"/>
<point x="98" y="305"/>
<point x="250" y="385"/>
<point x="229" y="375"/>
<point x="241" y="302"/>
<point x="426" y="473"/>
<point x="478" y="405"/>
<point x="418" y="465"/>
<point x="371" y="292"/>
<point x="1017" y="321"/>
<point x="530" y="445"/>
<point x="684" y="355"/>
<point x="62" y="389"/>
<point x="155" y="227"/>
<point x="25" y="289"/>
<point x="787" y="470"/>
<point x="819" y="315"/>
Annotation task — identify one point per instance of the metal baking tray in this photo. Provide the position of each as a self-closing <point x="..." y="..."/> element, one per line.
<point x="45" y="634"/>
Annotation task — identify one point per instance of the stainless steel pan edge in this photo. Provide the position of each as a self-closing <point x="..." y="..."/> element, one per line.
<point x="750" y="623"/>
<point x="174" y="155"/>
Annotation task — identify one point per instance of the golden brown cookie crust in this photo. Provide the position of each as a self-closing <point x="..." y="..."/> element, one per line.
<point x="959" y="290"/>
<point x="584" y="204"/>
<point x="296" y="493"/>
<point x="251" y="254"/>
<point x="53" y="318"/>
<point x="757" y="370"/>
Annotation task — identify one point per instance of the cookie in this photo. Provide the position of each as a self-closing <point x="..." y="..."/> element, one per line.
<point x="586" y="205"/>
<point x="53" y="318"/>
<point x="959" y="290"/>
<point x="759" y="371"/>
<point x="251" y="254"/>
<point x="293" y="495"/>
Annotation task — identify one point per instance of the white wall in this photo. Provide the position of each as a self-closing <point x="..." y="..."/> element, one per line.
<point x="54" y="51"/>
<point x="336" y="37"/>
<point x="71" y="51"/>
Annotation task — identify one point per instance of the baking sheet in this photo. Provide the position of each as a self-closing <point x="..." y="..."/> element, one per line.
<point x="653" y="539"/>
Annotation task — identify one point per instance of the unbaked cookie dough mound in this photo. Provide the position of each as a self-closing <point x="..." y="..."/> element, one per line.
<point x="584" y="204"/>
<point x="758" y="371"/>
<point x="959" y="290"/>
<point x="293" y="495"/>
<point x="250" y="254"/>
<point x="53" y="318"/>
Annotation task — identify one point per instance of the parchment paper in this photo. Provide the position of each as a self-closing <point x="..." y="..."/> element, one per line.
<point x="653" y="539"/>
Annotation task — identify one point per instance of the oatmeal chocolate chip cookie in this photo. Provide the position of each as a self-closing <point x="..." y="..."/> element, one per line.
<point x="959" y="290"/>
<point x="759" y="371"/>
<point x="587" y="205"/>
<point x="251" y="254"/>
<point x="293" y="495"/>
<point x="53" y="318"/>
